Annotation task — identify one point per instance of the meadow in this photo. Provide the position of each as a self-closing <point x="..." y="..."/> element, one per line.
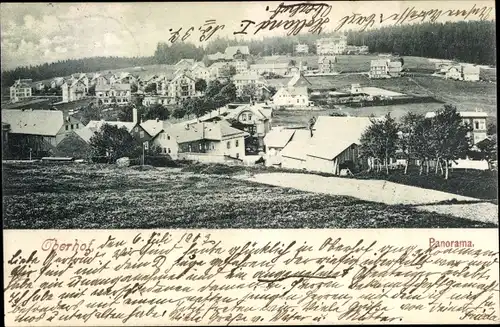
<point x="68" y="196"/>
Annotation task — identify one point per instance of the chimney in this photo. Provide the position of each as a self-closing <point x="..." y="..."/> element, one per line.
<point x="134" y="115"/>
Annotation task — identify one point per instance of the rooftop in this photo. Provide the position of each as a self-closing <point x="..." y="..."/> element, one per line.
<point x="33" y="122"/>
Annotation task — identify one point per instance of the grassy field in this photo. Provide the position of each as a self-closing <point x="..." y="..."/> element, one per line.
<point x="43" y="196"/>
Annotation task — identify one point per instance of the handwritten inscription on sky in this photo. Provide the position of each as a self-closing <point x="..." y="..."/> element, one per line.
<point x="314" y="17"/>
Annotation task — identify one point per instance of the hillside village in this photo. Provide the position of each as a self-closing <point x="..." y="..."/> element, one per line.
<point x="222" y="111"/>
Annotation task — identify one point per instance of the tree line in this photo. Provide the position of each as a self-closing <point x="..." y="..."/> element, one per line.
<point x="426" y="142"/>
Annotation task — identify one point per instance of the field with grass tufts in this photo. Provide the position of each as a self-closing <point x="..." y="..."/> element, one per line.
<point x="79" y="196"/>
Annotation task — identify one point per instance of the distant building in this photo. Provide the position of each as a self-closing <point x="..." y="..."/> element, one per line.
<point x="237" y="52"/>
<point x="219" y="70"/>
<point x="20" y="90"/>
<point x="185" y="62"/>
<point x="470" y="73"/>
<point x="182" y="86"/>
<point x="379" y="69"/>
<point x="73" y="90"/>
<point x="394" y="68"/>
<point x="291" y="97"/>
<point x="56" y="82"/>
<point x="357" y="50"/>
<point x="475" y="119"/>
<point x="116" y="93"/>
<point x="327" y="64"/>
<point x="241" y="66"/>
<point x="199" y="71"/>
<point x="301" y="49"/>
<point x="252" y="78"/>
<point x="280" y="68"/>
<point x="332" y="45"/>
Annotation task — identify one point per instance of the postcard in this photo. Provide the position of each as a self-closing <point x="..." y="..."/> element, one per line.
<point x="249" y="163"/>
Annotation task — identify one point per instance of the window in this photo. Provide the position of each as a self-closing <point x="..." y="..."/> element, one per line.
<point x="76" y="126"/>
<point x="168" y="137"/>
<point x="236" y="143"/>
<point x="249" y="116"/>
<point x="136" y="129"/>
<point x="141" y="134"/>
<point x="476" y="125"/>
<point x="199" y="146"/>
<point x="229" y="144"/>
<point x="169" y="150"/>
<point x="297" y="100"/>
<point x="243" y="117"/>
<point x="164" y="150"/>
<point x="67" y="127"/>
<point x="71" y="126"/>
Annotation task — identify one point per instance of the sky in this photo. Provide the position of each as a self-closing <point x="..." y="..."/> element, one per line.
<point x="35" y="33"/>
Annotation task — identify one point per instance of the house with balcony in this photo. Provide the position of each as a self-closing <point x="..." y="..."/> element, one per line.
<point x="115" y="93"/>
<point x="73" y="89"/>
<point x="21" y="90"/>
<point x="181" y="87"/>
<point x="255" y="119"/>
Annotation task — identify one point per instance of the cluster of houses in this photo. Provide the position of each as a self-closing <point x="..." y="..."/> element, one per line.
<point x="455" y="71"/>
<point x="233" y="133"/>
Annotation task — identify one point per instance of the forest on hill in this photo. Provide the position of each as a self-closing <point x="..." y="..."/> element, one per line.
<point x="473" y="42"/>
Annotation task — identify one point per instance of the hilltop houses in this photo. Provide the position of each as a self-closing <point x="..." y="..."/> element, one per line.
<point x="73" y="90"/>
<point x="108" y="93"/>
<point x="332" y="45"/>
<point x="180" y="87"/>
<point x="254" y="79"/>
<point x="291" y="97"/>
<point x="21" y="90"/>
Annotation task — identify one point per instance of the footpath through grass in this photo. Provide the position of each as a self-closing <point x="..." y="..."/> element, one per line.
<point x="69" y="196"/>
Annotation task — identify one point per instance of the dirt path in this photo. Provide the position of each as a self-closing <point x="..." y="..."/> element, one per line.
<point x="383" y="192"/>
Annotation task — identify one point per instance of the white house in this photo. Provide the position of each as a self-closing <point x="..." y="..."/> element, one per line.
<point x="73" y="90"/>
<point x="293" y="155"/>
<point x="113" y="93"/>
<point x="199" y="71"/>
<point x="470" y="73"/>
<point x="379" y="69"/>
<point x="332" y="142"/>
<point x="291" y="97"/>
<point x="327" y="64"/>
<point x="20" y="90"/>
<point x="275" y="140"/>
<point x="331" y="46"/>
<point x="182" y="86"/>
<point x="211" y="142"/>
<point x="240" y="80"/>
<point x="454" y="72"/>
